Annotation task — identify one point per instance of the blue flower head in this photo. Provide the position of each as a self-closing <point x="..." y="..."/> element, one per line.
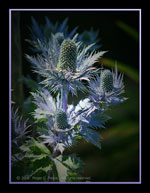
<point x="106" y="84"/>
<point x="107" y="87"/>
<point x="65" y="65"/>
<point x="61" y="125"/>
<point x="68" y="56"/>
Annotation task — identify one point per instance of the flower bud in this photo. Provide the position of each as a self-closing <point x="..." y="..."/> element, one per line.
<point x="59" y="37"/>
<point x="106" y="84"/>
<point x="61" y="119"/>
<point x="68" y="56"/>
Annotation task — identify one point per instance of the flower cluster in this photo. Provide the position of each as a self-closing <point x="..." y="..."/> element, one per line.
<point x="65" y="64"/>
<point x="106" y="88"/>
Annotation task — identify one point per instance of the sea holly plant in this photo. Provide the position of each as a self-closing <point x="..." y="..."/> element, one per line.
<point x="44" y="33"/>
<point x="61" y="31"/>
<point x="66" y="66"/>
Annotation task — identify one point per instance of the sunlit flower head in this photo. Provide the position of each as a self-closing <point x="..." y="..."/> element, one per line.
<point x="65" y="65"/>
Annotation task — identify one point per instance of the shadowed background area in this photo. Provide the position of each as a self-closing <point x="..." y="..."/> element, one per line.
<point x="118" y="160"/>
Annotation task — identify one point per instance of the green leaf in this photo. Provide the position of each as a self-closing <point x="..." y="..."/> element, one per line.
<point x="42" y="131"/>
<point x="73" y="177"/>
<point x="34" y="157"/>
<point x="73" y="162"/>
<point x="61" y="170"/>
<point x="43" y="119"/>
<point x="38" y="147"/>
<point x="68" y="167"/>
<point x="41" y="164"/>
<point x="24" y="148"/>
<point x="35" y="147"/>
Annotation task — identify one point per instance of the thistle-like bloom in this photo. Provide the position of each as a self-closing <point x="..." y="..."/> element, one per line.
<point x="106" y="88"/>
<point x="68" y="56"/>
<point x="63" y="128"/>
<point x="106" y="84"/>
<point x="61" y="132"/>
<point x="61" y="119"/>
<point x="66" y="65"/>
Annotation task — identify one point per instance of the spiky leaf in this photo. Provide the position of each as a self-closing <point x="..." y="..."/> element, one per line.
<point x="61" y="170"/>
<point x="68" y="167"/>
<point x="97" y="119"/>
<point x="91" y="136"/>
<point x="36" y="147"/>
<point x="39" y="160"/>
<point x="73" y="162"/>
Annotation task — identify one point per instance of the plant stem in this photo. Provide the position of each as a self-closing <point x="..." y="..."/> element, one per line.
<point x="64" y="98"/>
<point x="55" y="154"/>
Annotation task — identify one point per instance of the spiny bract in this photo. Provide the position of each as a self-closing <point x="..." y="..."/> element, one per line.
<point x="68" y="56"/>
<point x="106" y="84"/>
<point x="61" y="119"/>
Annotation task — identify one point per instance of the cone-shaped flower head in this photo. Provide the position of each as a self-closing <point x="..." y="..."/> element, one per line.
<point x="68" y="56"/>
<point x="61" y="119"/>
<point x="106" y="84"/>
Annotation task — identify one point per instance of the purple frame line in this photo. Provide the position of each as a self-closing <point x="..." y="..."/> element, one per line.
<point x="10" y="10"/>
<point x="75" y="9"/>
<point x="140" y="133"/>
<point x="9" y="95"/>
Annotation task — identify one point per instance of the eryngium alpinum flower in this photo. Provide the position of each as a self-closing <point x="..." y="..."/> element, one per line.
<point x="106" y="81"/>
<point x="68" y="56"/>
<point x="65" y="65"/>
<point x="61" y="125"/>
<point x="106" y="88"/>
<point x="61" y="119"/>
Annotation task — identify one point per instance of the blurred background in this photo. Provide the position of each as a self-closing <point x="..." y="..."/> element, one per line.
<point x="118" y="160"/>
